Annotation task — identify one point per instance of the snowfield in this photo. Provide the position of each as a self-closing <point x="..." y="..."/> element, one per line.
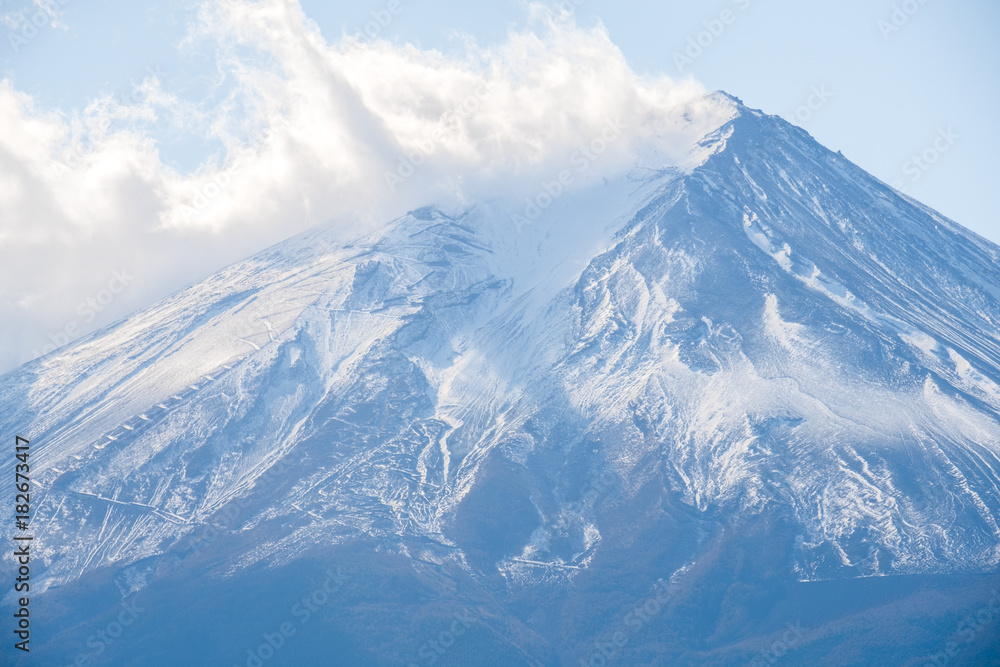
<point x="764" y="344"/>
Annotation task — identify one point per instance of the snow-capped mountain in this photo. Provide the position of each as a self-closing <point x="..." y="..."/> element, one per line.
<point x="731" y="389"/>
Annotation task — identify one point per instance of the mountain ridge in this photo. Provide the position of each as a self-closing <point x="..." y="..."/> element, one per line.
<point x="771" y="354"/>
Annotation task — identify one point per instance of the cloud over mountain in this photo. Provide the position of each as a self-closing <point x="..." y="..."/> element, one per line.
<point x="353" y="131"/>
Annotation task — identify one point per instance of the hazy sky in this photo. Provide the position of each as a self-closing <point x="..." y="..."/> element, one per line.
<point x="144" y="145"/>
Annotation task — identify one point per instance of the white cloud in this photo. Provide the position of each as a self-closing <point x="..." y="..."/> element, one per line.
<point x="351" y="132"/>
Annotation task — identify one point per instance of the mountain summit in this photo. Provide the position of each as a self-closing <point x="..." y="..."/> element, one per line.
<point x="680" y="417"/>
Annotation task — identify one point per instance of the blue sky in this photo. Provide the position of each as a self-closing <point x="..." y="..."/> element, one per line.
<point x="891" y="88"/>
<point x="145" y="108"/>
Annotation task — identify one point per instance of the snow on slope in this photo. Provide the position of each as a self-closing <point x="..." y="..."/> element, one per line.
<point x="769" y="330"/>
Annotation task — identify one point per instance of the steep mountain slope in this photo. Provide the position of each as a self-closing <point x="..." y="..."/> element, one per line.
<point x="712" y="389"/>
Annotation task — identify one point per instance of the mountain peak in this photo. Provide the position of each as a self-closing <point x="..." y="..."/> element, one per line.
<point x="721" y="95"/>
<point x="768" y="363"/>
